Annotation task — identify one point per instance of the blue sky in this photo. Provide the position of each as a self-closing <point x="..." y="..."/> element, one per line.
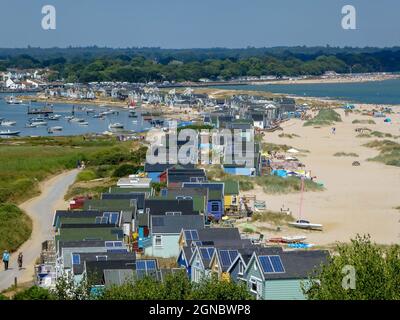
<point x="199" y="24"/>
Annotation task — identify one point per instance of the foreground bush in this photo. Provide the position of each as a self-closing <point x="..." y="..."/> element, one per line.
<point x="34" y="293"/>
<point x="377" y="273"/>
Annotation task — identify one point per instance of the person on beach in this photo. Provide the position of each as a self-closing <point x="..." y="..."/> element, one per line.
<point x="6" y="259"/>
<point x="20" y="259"/>
<point x="333" y="130"/>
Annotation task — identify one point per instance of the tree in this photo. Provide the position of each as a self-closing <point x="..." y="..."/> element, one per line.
<point x="377" y="273"/>
<point x="176" y="286"/>
<point x="67" y="289"/>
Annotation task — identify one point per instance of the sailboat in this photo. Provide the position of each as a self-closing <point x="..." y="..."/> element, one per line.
<point x="301" y="223"/>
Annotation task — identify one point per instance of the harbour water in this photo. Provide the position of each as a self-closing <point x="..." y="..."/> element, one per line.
<point x="18" y="113"/>
<point x="375" y="92"/>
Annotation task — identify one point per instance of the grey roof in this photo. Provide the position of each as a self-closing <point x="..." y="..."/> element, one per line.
<point x="165" y="272"/>
<point x="183" y="175"/>
<point x="117" y="277"/>
<point x="186" y="192"/>
<point x="215" y="234"/>
<point x="160" y="206"/>
<point x="161" y="167"/>
<point x="81" y="243"/>
<point x="138" y="196"/>
<point x="94" y="269"/>
<point x="75" y="214"/>
<point x="94" y="256"/>
<point x="174" y="224"/>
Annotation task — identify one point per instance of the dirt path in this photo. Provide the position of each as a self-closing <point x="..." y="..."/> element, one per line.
<point x="41" y="210"/>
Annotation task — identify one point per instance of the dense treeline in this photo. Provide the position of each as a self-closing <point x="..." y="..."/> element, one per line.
<point x="154" y="64"/>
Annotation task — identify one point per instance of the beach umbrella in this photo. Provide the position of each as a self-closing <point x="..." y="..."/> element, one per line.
<point x="388" y="120"/>
<point x="292" y="150"/>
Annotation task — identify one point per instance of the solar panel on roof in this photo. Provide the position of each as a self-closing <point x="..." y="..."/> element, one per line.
<point x="195" y="235"/>
<point x="266" y="264"/>
<point x="151" y="265"/>
<point x="191" y="235"/>
<point x="76" y="259"/>
<point x="210" y="252"/>
<point x="205" y="254"/>
<point x="188" y="235"/>
<point x="117" y="243"/>
<point x="225" y="259"/>
<point x="140" y="265"/>
<point x="114" y="218"/>
<point x="109" y="244"/>
<point x="277" y="263"/>
<point x="104" y="220"/>
<point x="97" y="220"/>
<point x="232" y="255"/>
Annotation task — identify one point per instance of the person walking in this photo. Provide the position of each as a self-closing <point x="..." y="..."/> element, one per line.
<point x="20" y="260"/>
<point x="6" y="259"/>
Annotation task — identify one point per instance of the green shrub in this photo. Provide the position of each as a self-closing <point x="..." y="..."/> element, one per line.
<point x="323" y="118"/>
<point x="15" y="227"/>
<point x="33" y="293"/>
<point x="125" y="169"/>
<point x="86" y="175"/>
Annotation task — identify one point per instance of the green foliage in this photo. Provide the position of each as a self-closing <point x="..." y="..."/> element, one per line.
<point x="377" y="273"/>
<point x="344" y="154"/>
<point x="126" y="169"/>
<point x="157" y="186"/>
<point x="34" y="293"/>
<point x="323" y="118"/>
<point x="155" y="64"/>
<point x="15" y="227"/>
<point x="369" y="121"/>
<point x="275" y="184"/>
<point x="67" y="289"/>
<point x="389" y="152"/>
<point x="3" y="297"/>
<point x="176" y="286"/>
<point x="196" y="127"/>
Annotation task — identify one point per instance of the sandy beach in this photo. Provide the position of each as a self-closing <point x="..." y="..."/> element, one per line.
<point x="357" y="200"/>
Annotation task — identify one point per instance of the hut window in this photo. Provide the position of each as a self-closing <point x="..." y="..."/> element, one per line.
<point x="158" y="241"/>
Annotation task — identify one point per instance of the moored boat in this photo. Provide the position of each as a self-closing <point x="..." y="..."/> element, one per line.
<point x="8" y="123"/>
<point x="9" y="133"/>
<point x="54" y="129"/>
<point x="116" y="125"/>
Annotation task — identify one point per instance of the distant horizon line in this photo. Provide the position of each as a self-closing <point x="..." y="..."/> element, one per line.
<point x="200" y="48"/>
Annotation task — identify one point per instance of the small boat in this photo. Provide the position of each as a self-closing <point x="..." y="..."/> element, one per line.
<point x="106" y="113"/>
<point x="9" y="133"/>
<point x="38" y="123"/>
<point x="69" y="118"/>
<point x="294" y="239"/>
<point x="53" y="129"/>
<point x="98" y="116"/>
<point x="73" y="119"/>
<point x="13" y="100"/>
<point x="8" y="123"/>
<point x="304" y="224"/>
<point x="83" y="123"/>
<point x="116" y="125"/>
